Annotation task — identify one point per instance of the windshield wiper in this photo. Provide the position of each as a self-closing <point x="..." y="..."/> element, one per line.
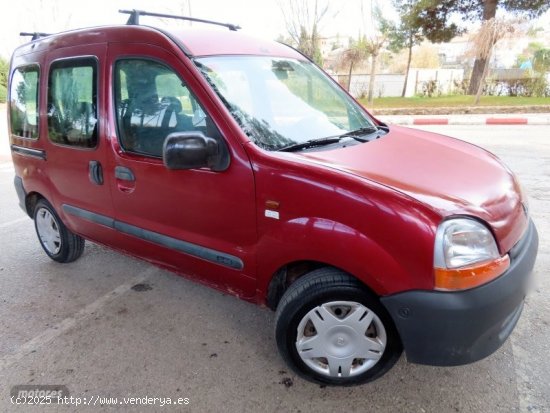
<point x="355" y="134"/>
<point x="310" y="143"/>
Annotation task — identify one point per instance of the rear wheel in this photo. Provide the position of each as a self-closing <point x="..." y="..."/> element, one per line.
<point x="332" y="330"/>
<point x="58" y="242"/>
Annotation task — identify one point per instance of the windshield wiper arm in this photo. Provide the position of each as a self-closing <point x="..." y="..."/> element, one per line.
<point x="355" y="134"/>
<point x="311" y="143"/>
<point x="360" y="132"/>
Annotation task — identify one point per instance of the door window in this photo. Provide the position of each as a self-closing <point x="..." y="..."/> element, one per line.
<point x="72" y="102"/>
<point x="24" y="102"/>
<point x="151" y="101"/>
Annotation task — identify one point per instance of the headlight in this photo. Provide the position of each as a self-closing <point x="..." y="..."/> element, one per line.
<point x="466" y="255"/>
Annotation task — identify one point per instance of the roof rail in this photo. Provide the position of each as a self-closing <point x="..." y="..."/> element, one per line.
<point x="34" y="35"/>
<point x="134" y="18"/>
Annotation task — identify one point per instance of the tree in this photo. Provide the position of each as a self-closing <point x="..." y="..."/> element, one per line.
<point x="527" y="55"/>
<point x="486" y="38"/>
<point x="406" y="34"/>
<point x="302" y="20"/>
<point x="352" y="56"/>
<point x="541" y="60"/>
<point x="436" y="19"/>
<point x="375" y="41"/>
<point x="4" y="68"/>
<point x="374" y="47"/>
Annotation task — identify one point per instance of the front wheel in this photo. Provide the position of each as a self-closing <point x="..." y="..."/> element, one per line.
<point x="331" y="330"/>
<point x="56" y="239"/>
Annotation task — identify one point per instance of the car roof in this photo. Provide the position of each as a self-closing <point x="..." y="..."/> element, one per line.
<point x="193" y="41"/>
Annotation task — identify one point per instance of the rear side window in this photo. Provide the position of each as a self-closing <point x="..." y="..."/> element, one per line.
<point x="72" y="102"/>
<point x="24" y="102"/>
<point x="151" y="102"/>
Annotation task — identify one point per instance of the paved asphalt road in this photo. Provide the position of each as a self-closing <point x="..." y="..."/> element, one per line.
<point x="83" y="325"/>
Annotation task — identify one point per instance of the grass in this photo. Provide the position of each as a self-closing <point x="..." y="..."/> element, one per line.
<point x="455" y="101"/>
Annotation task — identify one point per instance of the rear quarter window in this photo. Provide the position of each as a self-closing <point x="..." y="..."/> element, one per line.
<point x="23" y="101"/>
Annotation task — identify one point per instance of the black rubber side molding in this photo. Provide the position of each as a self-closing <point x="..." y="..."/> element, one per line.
<point x="198" y="251"/>
<point x="33" y="153"/>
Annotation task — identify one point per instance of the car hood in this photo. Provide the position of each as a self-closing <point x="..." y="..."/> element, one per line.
<point x="450" y="176"/>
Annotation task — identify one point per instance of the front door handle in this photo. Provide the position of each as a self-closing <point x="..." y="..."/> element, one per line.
<point x="95" y="172"/>
<point x="125" y="179"/>
<point x="124" y="174"/>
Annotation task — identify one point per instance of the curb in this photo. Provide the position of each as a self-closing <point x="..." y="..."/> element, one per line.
<point x="466" y="120"/>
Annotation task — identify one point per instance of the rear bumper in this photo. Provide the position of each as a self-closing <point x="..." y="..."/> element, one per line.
<point x="21" y="193"/>
<point x="453" y="328"/>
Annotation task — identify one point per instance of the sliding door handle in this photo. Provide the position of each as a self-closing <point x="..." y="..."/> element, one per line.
<point x="95" y="172"/>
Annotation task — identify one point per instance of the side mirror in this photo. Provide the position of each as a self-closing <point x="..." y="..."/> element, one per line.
<point x="191" y="150"/>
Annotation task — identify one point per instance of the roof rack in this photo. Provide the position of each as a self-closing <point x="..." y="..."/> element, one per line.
<point x="34" y="35"/>
<point x="134" y="18"/>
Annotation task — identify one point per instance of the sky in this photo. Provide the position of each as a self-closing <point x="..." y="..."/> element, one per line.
<point x="262" y="18"/>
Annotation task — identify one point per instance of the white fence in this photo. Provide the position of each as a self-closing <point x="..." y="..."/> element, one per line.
<point x="392" y="85"/>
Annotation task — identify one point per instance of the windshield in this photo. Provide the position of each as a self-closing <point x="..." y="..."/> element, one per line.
<point x="279" y="102"/>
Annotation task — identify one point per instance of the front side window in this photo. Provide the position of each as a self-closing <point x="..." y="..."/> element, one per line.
<point x="280" y="102"/>
<point x="151" y="101"/>
<point x="24" y="102"/>
<point x="72" y="102"/>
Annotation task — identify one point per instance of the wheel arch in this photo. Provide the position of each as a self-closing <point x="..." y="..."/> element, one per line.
<point x="31" y="200"/>
<point x="289" y="273"/>
<point x="291" y="250"/>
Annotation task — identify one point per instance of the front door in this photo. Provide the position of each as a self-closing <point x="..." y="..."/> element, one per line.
<point x="198" y="222"/>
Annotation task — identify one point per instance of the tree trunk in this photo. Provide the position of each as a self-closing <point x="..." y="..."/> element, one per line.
<point x="489" y="11"/>
<point x="482" y="80"/>
<point x="372" y="76"/>
<point x="408" y="69"/>
<point x="349" y="75"/>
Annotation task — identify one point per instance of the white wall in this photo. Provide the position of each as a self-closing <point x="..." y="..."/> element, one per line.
<point x="392" y="85"/>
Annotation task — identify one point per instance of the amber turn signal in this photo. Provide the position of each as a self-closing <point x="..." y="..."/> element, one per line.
<point x="469" y="277"/>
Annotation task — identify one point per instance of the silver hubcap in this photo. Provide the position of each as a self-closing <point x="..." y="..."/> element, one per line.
<point x="341" y="339"/>
<point x="48" y="231"/>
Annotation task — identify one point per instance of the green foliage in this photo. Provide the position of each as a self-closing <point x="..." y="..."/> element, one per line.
<point x="435" y="17"/>
<point x="431" y="89"/>
<point x="530" y="87"/>
<point x="355" y="54"/>
<point x="3" y="94"/>
<point x="456" y="101"/>
<point x="408" y="32"/>
<point x="541" y="60"/>
<point x="528" y="53"/>
<point x="4" y="68"/>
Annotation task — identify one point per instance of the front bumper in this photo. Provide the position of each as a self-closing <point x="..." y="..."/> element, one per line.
<point x="453" y="328"/>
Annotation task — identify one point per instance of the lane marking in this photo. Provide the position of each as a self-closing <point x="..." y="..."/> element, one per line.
<point x="68" y="323"/>
<point x="15" y="221"/>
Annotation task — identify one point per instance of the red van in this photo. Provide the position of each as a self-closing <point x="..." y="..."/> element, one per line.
<point x="239" y="163"/>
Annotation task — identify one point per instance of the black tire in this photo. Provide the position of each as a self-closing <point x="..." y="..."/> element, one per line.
<point x="68" y="247"/>
<point x="329" y="285"/>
